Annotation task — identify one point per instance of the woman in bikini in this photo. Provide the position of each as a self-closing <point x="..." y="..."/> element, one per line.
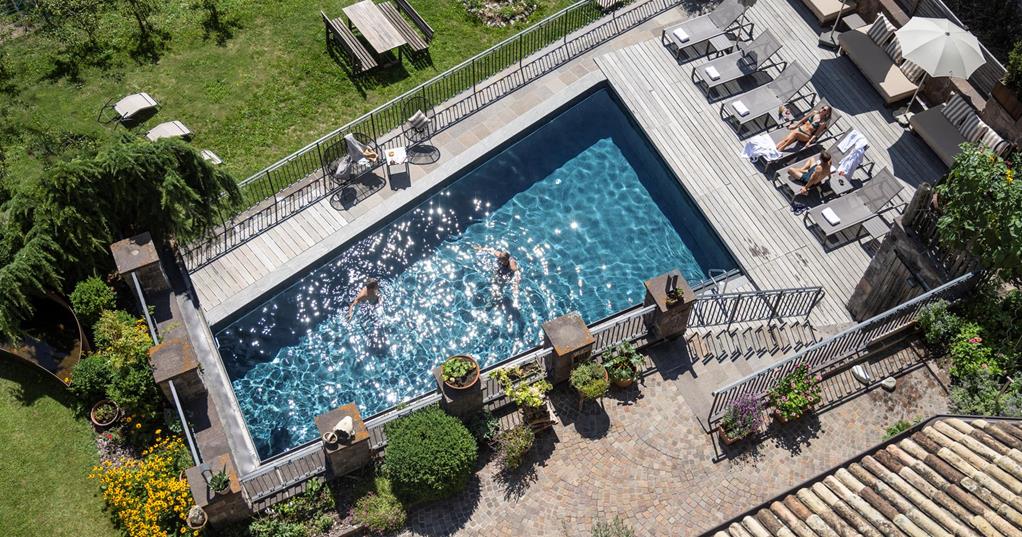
<point x="808" y="129"/>
<point x="812" y="173"/>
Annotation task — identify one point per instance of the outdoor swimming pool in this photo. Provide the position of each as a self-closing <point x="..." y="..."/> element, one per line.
<point x="584" y="205"/>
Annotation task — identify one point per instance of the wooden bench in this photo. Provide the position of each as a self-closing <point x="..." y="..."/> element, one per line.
<point x="339" y="33"/>
<point x="417" y="19"/>
<point x="415" y="41"/>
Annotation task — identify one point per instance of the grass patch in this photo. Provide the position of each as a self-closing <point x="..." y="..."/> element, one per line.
<point x="267" y="90"/>
<point x="47" y="454"/>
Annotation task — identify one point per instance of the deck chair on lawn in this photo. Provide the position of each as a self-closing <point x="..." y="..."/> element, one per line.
<point x="700" y="30"/>
<point x="854" y="209"/>
<point x="765" y="100"/>
<point x="170" y="129"/>
<point x="750" y="58"/>
<point x="134" y="108"/>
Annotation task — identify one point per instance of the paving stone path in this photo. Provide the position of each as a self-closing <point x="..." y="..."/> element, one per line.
<point x="645" y="457"/>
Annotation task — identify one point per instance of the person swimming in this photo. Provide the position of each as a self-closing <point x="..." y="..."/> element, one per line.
<point x="370" y="293"/>
<point x="507" y="266"/>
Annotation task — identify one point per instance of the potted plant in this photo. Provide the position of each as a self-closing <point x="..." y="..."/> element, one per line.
<point x="795" y="394"/>
<point x="623" y="364"/>
<point x="197" y="518"/>
<point x="675" y="295"/>
<point x="460" y="372"/>
<point x="219" y="482"/>
<point x="529" y="396"/>
<point x="104" y="413"/>
<point x="591" y="381"/>
<point x="742" y="419"/>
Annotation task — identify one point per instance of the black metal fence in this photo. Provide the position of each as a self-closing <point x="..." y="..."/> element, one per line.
<point x="298" y="181"/>
<point x="727" y="308"/>
<point x="839" y="351"/>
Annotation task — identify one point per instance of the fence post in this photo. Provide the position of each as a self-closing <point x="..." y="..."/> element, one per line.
<point x="674" y="300"/>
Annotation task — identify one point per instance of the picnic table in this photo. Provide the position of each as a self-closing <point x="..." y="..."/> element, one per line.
<point x="373" y="24"/>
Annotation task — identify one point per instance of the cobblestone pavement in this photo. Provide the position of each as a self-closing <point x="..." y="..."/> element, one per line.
<point x="645" y="457"/>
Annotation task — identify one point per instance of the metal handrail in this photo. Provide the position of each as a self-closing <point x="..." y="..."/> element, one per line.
<point x="746" y="306"/>
<point x="196" y="458"/>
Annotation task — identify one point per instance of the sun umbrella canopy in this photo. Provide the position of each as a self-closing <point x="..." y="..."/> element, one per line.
<point x="940" y="47"/>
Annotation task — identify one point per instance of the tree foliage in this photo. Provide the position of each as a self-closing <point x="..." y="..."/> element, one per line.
<point x="982" y="211"/>
<point x="59" y="229"/>
<point x="997" y="23"/>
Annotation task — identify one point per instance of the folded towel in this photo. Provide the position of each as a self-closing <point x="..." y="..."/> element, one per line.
<point x="681" y="35"/>
<point x="712" y="72"/>
<point x="761" y="147"/>
<point x="740" y="107"/>
<point x="851" y="139"/>
<point x="831" y="216"/>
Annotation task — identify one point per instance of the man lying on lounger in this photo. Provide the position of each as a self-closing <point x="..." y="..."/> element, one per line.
<point x="811" y="174"/>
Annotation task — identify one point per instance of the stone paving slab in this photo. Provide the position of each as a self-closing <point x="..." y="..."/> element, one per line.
<point x="645" y="456"/>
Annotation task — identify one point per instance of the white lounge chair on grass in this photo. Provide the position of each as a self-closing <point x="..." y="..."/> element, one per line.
<point x="136" y="106"/>
<point x="170" y="129"/>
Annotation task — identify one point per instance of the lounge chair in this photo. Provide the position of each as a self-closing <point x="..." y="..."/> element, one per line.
<point x="828" y="10"/>
<point x="170" y="129"/>
<point x="349" y="158"/>
<point x="766" y="99"/>
<point x="701" y="29"/>
<point x="751" y="57"/>
<point x="877" y="65"/>
<point x="211" y="157"/>
<point x="778" y="134"/>
<point x="792" y="188"/>
<point x="134" y="107"/>
<point x="857" y="207"/>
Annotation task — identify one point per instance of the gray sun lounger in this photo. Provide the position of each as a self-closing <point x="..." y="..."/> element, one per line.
<point x="170" y="129"/>
<point x="766" y="99"/>
<point x="704" y="27"/>
<point x="750" y="58"/>
<point x="857" y="207"/>
<point x="792" y="188"/>
<point x="778" y="134"/>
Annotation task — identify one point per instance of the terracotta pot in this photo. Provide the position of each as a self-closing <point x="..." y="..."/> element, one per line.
<point x="725" y="438"/>
<point x="195" y="515"/>
<point x="624" y="383"/>
<point x="104" y="424"/>
<point x="474" y="376"/>
<point x="781" y="419"/>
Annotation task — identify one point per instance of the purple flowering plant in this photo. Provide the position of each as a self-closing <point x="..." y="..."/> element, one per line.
<point x="743" y="417"/>
<point x="796" y="392"/>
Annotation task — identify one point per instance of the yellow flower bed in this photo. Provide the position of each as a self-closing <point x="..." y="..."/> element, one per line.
<point x="145" y="495"/>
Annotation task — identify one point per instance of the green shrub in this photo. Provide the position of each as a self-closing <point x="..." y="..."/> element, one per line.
<point x="484" y="427"/>
<point x="969" y="355"/>
<point x="90" y="298"/>
<point x="796" y="393"/>
<point x="323" y="523"/>
<point x="1013" y="76"/>
<point x="897" y="428"/>
<point x="91" y="378"/>
<point x="429" y="455"/>
<point x="939" y="325"/>
<point x="513" y="444"/>
<point x="590" y="379"/>
<point x="273" y="527"/>
<point x="614" y="528"/>
<point x="379" y="512"/>
<point x="135" y="391"/>
<point x="977" y="395"/>
<point x="124" y="339"/>
<point x="314" y="500"/>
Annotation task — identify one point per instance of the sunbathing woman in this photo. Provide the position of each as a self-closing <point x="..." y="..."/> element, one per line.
<point x="811" y="174"/>
<point x="808" y="129"/>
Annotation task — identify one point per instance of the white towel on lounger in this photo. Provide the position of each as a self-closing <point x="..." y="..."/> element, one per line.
<point x="761" y="147"/>
<point x="831" y="216"/>
<point x="681" y="35"/>
<point x="740" y="107"/>
<point x="712" y="72"/>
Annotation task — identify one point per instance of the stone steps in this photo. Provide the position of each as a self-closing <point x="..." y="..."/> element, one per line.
<point x="951" y="478"/>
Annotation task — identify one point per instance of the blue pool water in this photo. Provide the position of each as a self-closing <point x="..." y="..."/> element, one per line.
<point x="584" y="205"/>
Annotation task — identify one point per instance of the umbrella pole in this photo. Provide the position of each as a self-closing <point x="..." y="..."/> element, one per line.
<point x="830" y="41"/>
<point x="905" y="114"/>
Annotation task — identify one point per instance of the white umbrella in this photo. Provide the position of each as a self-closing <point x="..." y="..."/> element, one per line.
<point x="940" y="48"/>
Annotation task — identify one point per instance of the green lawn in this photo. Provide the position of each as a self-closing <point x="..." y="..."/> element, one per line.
<point x="270" y="90"/>
<point x="47" y="453"/>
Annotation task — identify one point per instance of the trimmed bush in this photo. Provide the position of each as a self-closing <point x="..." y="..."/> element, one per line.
<point x="513" y="444"/>
<point x="429" y="455"/>
<point x="123" y="338"/>
<point x="90" y="378"/>
<point x="134" y="390"/>
<point x="939" y="325"/>
<point x="590" y="379"/>
<point x="90" y="298"/>
<point x="380" y="513"/>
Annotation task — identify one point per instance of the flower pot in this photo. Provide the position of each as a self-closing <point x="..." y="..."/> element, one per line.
<point x="727" y="440"/>
<point x="197" y="518"/>
<point x="101" y="423"/>
<point x="625" y="383"/>
<point x="781" y="419"/>
<point x="473" y="377"/>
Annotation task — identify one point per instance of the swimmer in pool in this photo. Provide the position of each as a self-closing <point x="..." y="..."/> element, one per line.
<point x="507" y="267"/>
<point x="370" y="293"/>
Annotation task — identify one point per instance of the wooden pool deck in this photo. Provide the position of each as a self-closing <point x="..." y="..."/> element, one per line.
<point x="754" y="218"/>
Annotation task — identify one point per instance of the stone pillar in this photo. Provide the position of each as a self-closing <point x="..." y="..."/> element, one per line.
<point x="673" y="299"/>
<point x="138" y="255"/>
<point x="570" y="338"/>
<point x="345" y="457"/>
<point x="460" y="403"/>
<point x="174" y="360"/>
<point x="901" y="270"/>
<point x="224" y="507"/>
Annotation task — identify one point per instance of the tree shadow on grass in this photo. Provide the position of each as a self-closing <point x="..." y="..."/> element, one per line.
<point x="31" y="385"/>
<point x="149" y="46"/>
<point x="216" y="26"/>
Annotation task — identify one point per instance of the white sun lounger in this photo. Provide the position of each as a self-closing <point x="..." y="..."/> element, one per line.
<point x="134" y="106"/>
<point x="170" y="129"/>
